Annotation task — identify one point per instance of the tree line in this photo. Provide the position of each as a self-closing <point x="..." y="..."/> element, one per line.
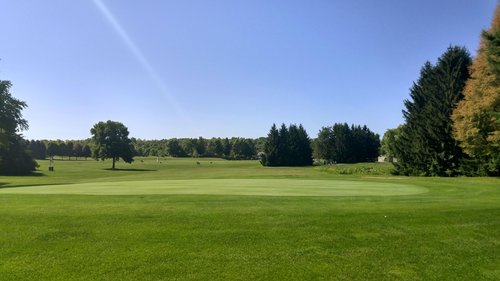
<point x="42" y="149"/>
<point x="452" y="119"/>
<point x="227" y="148"/>
<point x="342" y="143"/>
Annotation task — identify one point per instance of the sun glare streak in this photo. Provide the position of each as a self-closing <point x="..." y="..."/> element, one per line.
<point x="139" y="56"/>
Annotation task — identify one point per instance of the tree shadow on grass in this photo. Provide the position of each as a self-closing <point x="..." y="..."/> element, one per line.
<point x="3" y="185"/>
<point x="130" y="170"/>
<point x="32" y="174"/>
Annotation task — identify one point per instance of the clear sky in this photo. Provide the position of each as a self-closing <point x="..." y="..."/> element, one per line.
<point x="223" y="67"/>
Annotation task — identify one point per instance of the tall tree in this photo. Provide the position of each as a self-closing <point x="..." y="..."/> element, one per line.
<point x="110" y="140"/>
<point x="304" y="148"/>
<point x="477" y="117"/>
<point x="270" y="155"/>
<point x="426" y="145"/>
<point x="14" y="159"/>
<point x="283" y="152"/>
<point x="342" y="147"/>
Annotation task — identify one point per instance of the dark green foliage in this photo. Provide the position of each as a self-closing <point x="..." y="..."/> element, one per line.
<point x="175" y="149"/>
<point x="52" y="148"/>
<point x="37" y="149"/>
<point x="269" y="156"/>
<point x="87" y="152"/>
<point x="242" y="149"/>
<point x="215" y="148"/>
<point x="110" y="140"/>
<point x="343" y="144"/>
<point x="198" y="147"/>
<point x="150" y="147"/>
<point x="77" y="150"/>
<point x="69" y="148"/>
<point x="14" y="158"/>
<point x="425" y="145"/>
<point x="287" y="147"/>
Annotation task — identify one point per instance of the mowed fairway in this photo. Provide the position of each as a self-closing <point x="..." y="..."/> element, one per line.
<point x="225" y="220"/>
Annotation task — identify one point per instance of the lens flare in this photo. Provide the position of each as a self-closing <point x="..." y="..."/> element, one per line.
<point x="141" y="58"/>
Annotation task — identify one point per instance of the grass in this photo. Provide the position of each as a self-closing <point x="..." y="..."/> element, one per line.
<point x="225" y="220"/>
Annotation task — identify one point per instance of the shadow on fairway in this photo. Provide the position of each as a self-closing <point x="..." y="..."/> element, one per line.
<point x="130" y="170"/>
<point x="32" y="174"/>
<point x="2" y="185"/>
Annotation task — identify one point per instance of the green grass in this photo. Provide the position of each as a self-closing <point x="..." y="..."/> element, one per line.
<point x="236" y="220"/>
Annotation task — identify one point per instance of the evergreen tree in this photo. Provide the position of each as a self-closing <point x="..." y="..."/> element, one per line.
<point x="283" y="146"/>
<point x="270" y="155"/>
<point x="294" y="146"/>
<point x="287" y="147"/>
<point x="342" y="146"/>
<point x="477" y="117"/>
<point x="426" y="145"/>
<point x="304" y="148"/>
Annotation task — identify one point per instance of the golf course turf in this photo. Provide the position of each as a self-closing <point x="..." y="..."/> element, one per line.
<point x="256" y="187"/>
<point x="236" y="220"/>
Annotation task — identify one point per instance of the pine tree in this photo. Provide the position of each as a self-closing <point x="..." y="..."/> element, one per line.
<point x="287" y="147"/>
<point x="477" y="117"/>
<point x="342" y="146"/>
<point x="304" y="148"/>
<point x="270" y="155"/>
<point x="426" y="145"/>
<point x="283" y="146"/>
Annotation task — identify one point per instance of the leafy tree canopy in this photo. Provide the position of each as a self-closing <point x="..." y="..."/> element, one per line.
<point x="110" y="140"/>
<point x="14" y="159"/>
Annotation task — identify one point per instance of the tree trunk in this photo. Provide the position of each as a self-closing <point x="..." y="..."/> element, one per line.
<point x="113" y="163"/>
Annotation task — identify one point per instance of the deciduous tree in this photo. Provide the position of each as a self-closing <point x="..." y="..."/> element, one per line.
<point x="14" y="159"/>
<point x="110" y="140"/>
<point x="477" y="117"/>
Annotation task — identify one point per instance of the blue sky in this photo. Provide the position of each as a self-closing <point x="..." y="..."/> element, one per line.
<point x="223" y="68"/>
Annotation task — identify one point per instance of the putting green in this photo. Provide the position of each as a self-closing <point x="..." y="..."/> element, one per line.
<point x="256" y="187"/>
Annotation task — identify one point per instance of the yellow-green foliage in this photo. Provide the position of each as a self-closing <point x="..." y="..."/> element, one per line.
<point x="477" y="116"/>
